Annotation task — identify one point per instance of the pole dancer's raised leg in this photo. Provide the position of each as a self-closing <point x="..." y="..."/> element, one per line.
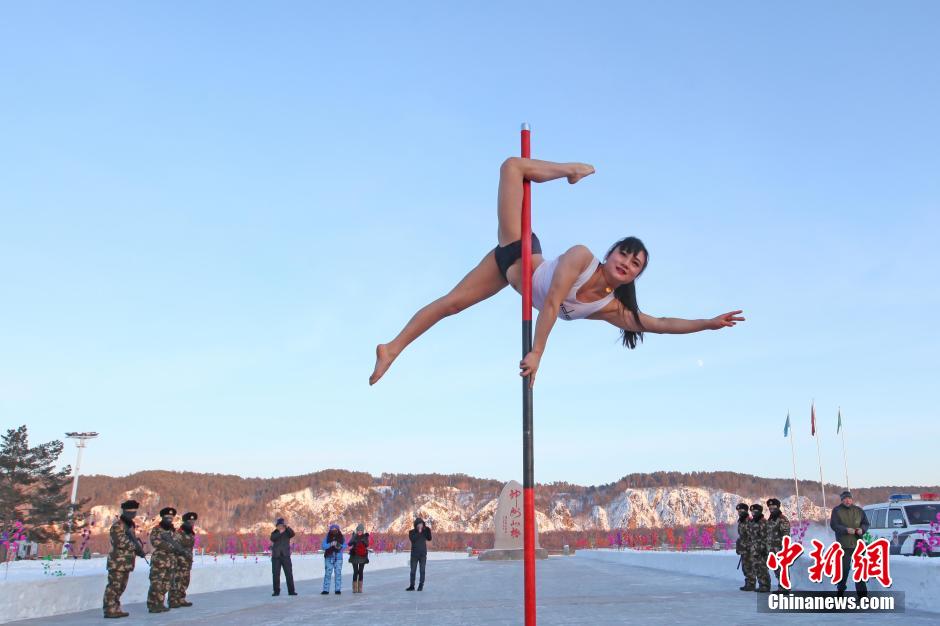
<point x="509" y="200"/>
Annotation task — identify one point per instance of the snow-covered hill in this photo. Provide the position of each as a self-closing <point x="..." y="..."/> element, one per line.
<point x="382" y="508"/>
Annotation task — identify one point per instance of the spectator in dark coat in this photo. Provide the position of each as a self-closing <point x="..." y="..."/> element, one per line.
<point x="358" y="555"/>
<point x="280" y="557"/>
<point x="419" y="538"/>
<point x="849" y="522"/>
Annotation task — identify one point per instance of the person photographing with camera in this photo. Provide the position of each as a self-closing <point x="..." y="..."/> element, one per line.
<point x="280" y="557"/>
<point x="419" y="537"/>
<point x="333" y="545"/>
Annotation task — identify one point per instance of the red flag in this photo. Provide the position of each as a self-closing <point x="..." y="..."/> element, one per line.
<point x="812" y="418"/>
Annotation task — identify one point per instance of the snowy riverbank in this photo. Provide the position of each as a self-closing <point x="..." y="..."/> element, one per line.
<point x="918" y="578"/>
<point x="28" y="589"/>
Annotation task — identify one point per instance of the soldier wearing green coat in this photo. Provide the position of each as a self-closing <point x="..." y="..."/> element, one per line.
<point x="778" y="527"/>
<point x="186" y="536"/>
<point x="125" y="548"/>
<point x="163" y="560"/>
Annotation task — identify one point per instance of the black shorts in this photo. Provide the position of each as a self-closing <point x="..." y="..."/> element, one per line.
<point x="509" y="254"/>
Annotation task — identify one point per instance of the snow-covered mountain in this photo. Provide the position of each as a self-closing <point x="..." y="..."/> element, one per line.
<point x="467" y="505"/>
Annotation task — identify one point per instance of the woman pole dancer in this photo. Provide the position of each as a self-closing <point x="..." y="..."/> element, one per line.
<point x="576" y="285"/>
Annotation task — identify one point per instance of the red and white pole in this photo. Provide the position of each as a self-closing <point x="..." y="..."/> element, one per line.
<point x="528" y="454"/>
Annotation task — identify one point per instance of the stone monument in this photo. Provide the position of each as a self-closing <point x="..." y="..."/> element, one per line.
<point x="508" y="526"/>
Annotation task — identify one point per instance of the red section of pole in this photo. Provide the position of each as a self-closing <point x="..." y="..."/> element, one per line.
<point x="526" y="232"/>
<point x="528" y="454"/>
<point x="528" y="495"/>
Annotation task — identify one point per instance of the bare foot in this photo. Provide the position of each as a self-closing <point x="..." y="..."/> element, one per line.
<point x="383" y="360"/>
<point x="580" y="171"/>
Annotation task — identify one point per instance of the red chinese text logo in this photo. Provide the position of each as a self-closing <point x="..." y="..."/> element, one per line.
<point x="784" y="559"/>
<point x="871" y="561"/>
<point x="828" y="562"/>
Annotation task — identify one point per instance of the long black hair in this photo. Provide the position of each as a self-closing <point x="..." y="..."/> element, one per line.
<point x="626" y="294"/>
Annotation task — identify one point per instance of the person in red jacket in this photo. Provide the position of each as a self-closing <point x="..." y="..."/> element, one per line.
<point x="358" y="555"/>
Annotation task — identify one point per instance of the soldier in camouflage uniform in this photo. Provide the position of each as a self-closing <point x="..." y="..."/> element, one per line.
<point x="186" y="536"/>
<point x="163" y="560"/>
<point x="741" y="545"/>
<point x="778" y="527"/>
<point x="125" y="548"/>
<point x="757" y="534"/>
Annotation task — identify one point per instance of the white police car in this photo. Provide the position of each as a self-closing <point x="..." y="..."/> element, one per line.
<point x="910" y="523"/>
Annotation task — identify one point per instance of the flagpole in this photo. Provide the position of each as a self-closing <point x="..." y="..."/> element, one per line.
<point x="796" y="483"/>
<point x="845" y="464"/>
<point x="822" y="485"/>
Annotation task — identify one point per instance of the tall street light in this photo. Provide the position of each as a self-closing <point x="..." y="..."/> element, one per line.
<point x="80" y="439"/>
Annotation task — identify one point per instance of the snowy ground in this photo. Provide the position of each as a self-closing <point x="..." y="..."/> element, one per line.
<point x="593" y="587"/>
<point x="31" y="588"/>
<point x="918" y="578"/>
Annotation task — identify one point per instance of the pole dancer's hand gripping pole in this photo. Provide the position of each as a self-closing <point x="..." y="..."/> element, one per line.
<point x="528" y="466"/>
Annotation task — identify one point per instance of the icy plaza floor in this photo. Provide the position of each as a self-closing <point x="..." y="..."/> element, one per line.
<point x="581" y="589"/>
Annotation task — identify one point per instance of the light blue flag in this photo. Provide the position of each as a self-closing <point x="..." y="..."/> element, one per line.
<point x="786" y="427"/>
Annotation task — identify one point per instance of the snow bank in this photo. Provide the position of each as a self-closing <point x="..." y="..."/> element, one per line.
<point x="28" y="592"/>
<point x="917" y="577"/>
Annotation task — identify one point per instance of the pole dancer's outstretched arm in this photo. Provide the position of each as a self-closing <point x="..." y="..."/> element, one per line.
<point x="577" y="260"/>
<point x="485" y="280"/>
<point x="666" y="325"/>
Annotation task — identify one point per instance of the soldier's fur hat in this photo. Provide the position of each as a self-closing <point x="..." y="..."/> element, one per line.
<point x="165" y="511"/>
<point x="757" y="507"/>
<point x="190" y="516"/>
<point x="130" y="504"/>
<point x="741" y="506"/>
<point x="773" y="502"/>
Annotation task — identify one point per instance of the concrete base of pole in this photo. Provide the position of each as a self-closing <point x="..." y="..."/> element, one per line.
<point x="511" y="555"/>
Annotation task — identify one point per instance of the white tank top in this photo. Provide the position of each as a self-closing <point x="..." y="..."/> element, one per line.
<point x="571" y="308"/>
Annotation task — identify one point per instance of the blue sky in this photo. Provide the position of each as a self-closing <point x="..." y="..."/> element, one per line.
<point x="209" y="216"/>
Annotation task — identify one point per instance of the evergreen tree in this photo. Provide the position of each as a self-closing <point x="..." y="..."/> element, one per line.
<point x="31" y="490"/>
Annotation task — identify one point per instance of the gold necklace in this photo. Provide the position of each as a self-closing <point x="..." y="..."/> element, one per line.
<point x="607" y="287"/>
